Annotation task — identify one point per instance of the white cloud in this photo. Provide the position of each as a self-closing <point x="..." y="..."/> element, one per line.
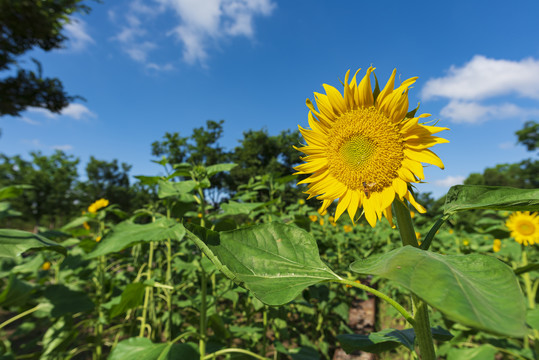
<point x="507" y="145"/>
<point x="77" y="111"/>
<point x="65" y="147"/>
<point x="200" y="24"/>
<point x="483" y="78"/>
<point x="29" y="121"/>
<point x="474" y="112"/>
<point x="73" y="110"/>
<point x="450" y="181"/>
<point x="78" y="34"/>
<point x="468" y="87"/>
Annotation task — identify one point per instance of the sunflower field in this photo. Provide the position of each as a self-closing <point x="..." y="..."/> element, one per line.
<point x="317" y="247"/>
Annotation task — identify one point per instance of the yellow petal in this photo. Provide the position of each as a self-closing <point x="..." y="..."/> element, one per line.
<point x="414" y="203"/>
<point x="400" y="187"/>
<point x="425" y="156"/>
<point x="335" y="99"/>
<point x="364" y="95"/>
<point x="342" y="205"/>
<point x="388" y="89"/>
<point x="354" y="205"/>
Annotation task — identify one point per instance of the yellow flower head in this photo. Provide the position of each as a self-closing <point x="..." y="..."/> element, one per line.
<point x="86" y="225"/>
<point x="451" y="231"/>
<point x="496" y="245"/>
<point x="46" y="266"/>
<point x="465" y="242"/>
<point x="363" y="150"/>
<point x="313" y="218"/>
<point x="199" y="215"/>
<point x="347" y="228"/>
<point x="524" y="227"/>
<point x="322" y="222"/>
<point x="417" y="235"/>
<point x="301" y="202"/>
<point x="101" y="203"/>
<point x="412" y="214"/>
<point x="98" y="239"/>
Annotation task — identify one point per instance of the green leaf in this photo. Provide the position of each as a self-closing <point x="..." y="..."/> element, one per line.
<point x="131" y="298"/>
<point x="532" y="318"/>
<point x="527" y="268"/>
<point x="127" y="234"/>
<point x="140" y="349"/>
<point x="475" y="290"/>
<point x="57" y="339"/>
<point x="15" y="242"/>
<point x="176" y="189"/>
<point x="275" y="261"/>
<point x="214" y="169"/>
<point x="13" y="191"/>
<point x="467" y="197"/>
<point x="484" y="352"/>
<point x="16" y="292"/>
<point x="236" y="208"/>
<point x="387" y="339"/>
<point x="67" y="301"/>
<point x="148" y="180"/>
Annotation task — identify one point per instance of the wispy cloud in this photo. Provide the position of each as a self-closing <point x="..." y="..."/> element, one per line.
<point x="78" y="35"/>
<point x="468" y="87"/>
<point x="450" y="181"/>
<point x="37" y="144"/>
<point x="73" y="110"/>
<point x="201" y="24"/>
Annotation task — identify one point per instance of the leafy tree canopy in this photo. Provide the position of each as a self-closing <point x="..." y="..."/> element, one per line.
<point x="25" y="25"/>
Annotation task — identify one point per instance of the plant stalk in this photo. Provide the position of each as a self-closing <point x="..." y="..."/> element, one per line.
<point x="421" y="311"/>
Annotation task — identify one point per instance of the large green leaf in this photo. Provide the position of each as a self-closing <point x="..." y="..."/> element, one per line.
<point x="475" y="290"/>
<point x="467" y="197"/>
<point x="386" y="339"/>
<point x="127" y="234"/>
<point x="143" y="349"/>
<point x="131" y="298"/>
<point x="484" y="352"/>
<point x="275" y="261"/>
<point x="15" y="242"/>
<point x="16" y="292"/>
<point x="176" y="189"/>
<point x="67" y="301"/>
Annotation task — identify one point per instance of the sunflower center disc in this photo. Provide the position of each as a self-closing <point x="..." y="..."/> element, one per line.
<point x="525" y="228"/>
<point x="365" y="150"/>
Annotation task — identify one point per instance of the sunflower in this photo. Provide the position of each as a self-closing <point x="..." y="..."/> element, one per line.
<point x="364" y="148"/>
<point x="98" y="204"/>
<point x="524" y="227"/>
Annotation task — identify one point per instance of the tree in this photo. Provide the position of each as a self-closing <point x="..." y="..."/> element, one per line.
<point x="529" y="135"/>
<point x="24" y="25"/>
<point x="51" y="177"/>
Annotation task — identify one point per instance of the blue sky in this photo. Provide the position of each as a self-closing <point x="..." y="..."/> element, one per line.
<point x="148" y="67"/>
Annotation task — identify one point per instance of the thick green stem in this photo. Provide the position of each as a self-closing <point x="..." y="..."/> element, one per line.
<point x="147" y="293"/>
<point x="202" y="336"/>
<point x="527" y="281"/>
<point x="169" y="282"/>
<point x="421" y="311"/>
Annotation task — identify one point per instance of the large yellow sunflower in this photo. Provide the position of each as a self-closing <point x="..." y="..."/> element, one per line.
<point x="362" y="149"/>
<point x="524" y="227"/>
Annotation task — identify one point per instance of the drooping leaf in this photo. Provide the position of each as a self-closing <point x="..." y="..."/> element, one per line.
<point x="131" y="298"/>
<point x="67" y="301"/>
<point x="176" y="189"/>
<point x="214" y="169"/>
<point x="13" y="191"/>
<point x="475" y="290"/>
<point x="127" y="234"/>
<point x="236" y="208"/>
<point x="16" y="292"/>
<point x="468" y="197"/>
<point x="275" y="261"/>
<point x="386" y="339"/>
<point x="15" y="242"/>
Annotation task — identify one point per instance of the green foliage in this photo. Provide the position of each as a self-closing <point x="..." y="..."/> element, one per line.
<point x="529" y="135"/>
<point x="26" y="25"/>
<point x="474" y="289"/>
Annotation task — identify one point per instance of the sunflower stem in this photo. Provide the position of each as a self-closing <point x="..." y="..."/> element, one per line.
<point x="421" y="312"/>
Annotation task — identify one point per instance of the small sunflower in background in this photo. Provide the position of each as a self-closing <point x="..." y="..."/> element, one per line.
<point x="363" y="150"/>
<point x="98" y="204"/>
<point x="524" y="227"/>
